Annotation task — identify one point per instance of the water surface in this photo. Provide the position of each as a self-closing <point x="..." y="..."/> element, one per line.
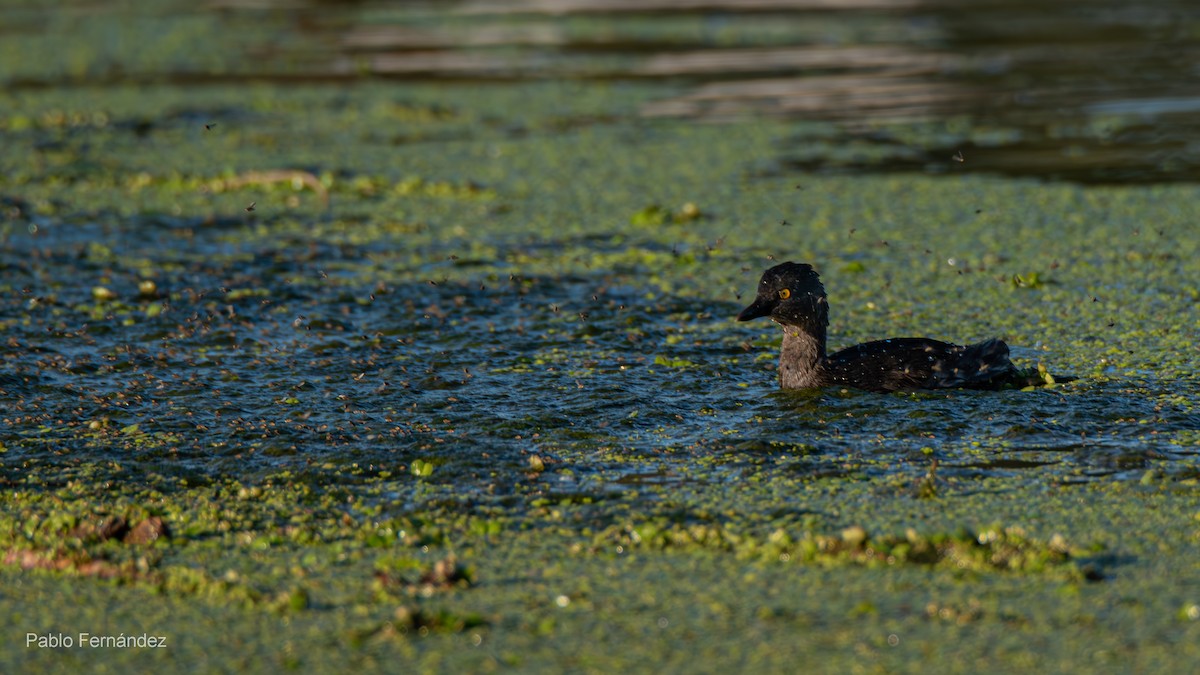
<point x="338" y="290"/>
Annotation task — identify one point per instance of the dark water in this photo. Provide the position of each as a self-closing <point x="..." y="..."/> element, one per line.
<point x="482" y="374"/>
<point x="1095" y="91"/>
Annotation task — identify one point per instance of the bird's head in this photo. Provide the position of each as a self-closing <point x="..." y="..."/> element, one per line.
<point x="791" y="294"/>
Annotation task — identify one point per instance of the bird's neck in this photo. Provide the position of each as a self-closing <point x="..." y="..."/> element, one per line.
<point x="802" y="361"/>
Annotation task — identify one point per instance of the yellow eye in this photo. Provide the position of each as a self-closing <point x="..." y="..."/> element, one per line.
<point x="784" y="294"/>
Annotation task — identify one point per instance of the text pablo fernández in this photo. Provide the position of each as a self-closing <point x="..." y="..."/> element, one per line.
<point x="90" y="641"/>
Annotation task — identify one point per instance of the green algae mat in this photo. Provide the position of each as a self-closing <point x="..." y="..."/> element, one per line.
<point x="444" y="377"/>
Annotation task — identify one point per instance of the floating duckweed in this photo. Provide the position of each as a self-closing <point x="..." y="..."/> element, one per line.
<point x="463" y="293"/>
<point x="996" y="548"/>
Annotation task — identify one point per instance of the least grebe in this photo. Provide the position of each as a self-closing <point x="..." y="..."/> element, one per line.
<point x="792" y="295"/>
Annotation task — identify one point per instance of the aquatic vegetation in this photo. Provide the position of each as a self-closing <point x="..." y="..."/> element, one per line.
<point x="993" y="549"/>
<point x="447" y="375"/>
<point x="443" y="574"/>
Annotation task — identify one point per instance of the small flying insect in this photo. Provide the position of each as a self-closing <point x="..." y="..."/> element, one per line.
<point x="251" y="207"/>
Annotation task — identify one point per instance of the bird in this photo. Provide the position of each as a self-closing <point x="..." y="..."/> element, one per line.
<point x="792" y="295"/>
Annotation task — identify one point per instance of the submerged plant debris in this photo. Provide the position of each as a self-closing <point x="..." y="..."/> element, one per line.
<point x="308" y="375"/>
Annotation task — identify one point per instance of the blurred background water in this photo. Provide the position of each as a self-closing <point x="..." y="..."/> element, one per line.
<point x="1096" y="91"/>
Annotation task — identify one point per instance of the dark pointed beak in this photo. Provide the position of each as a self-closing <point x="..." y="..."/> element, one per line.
<point x="760" y="307"/>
